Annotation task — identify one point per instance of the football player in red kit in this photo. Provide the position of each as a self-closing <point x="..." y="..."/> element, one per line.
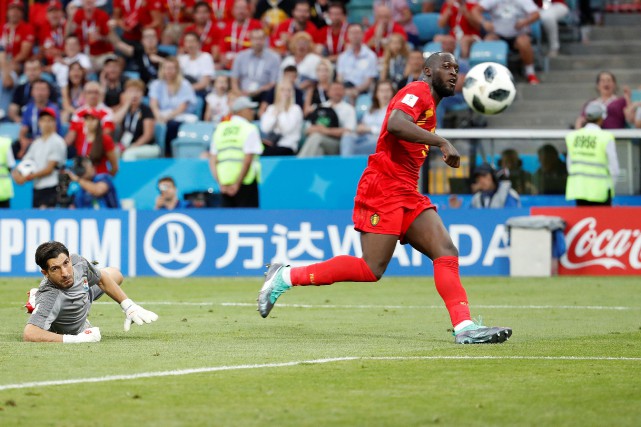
<point x="388" y="208"/>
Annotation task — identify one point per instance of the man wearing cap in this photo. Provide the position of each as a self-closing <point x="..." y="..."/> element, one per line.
<point x="46" y="154"/>
<point x="592" y="160"/>
<point x="17" y="36"/>
<point x="51" y="35"/>
<point x="234" y="153"/>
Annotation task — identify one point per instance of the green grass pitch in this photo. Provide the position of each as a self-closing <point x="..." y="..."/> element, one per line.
<point x="574" y="358"/>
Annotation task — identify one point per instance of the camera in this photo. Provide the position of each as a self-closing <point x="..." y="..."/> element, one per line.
<point x="63" y="199"/>
<point x="78" y="168"/>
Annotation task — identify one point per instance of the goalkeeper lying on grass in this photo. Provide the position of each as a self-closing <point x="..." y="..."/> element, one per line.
<point x="59" y="307"/>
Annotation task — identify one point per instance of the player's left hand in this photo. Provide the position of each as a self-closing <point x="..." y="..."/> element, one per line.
<point x="450" y="155"/>
<point x="136" y="314"/>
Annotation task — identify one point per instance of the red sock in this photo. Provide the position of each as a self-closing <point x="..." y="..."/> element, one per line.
<point x="448" y="285"/>
<point x="343" y="268"/>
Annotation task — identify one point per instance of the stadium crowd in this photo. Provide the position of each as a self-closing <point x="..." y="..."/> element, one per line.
<point x="120" y="78"/>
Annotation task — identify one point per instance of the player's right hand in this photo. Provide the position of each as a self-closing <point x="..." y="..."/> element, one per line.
<point x="450" y="155"/>
<point x="136" y="314"/>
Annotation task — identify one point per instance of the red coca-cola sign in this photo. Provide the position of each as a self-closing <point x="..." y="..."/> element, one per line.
<point x="600" y="241"/>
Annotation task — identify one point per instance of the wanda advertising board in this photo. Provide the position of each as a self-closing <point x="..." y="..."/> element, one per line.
<point x="600" y="241"/>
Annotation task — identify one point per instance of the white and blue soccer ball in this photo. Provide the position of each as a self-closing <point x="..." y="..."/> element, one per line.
<point x="489" y="88"/>
<point x="26" y="167"/>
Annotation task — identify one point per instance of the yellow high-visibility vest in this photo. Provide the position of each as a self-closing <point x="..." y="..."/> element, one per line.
<point x="6" y="184"/>
<point x="589" y="174"/>
<point x="229" y="139"/>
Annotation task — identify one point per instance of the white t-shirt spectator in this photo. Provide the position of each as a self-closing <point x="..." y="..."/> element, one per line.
<point x="288" y="124"/>
<point x="41" y="152"/>
<point x="346" y="114"/>
<point x="505" y="13"/>
<point x="306" y="68"/>
<point x="218" y="105"/>
<point x="61" y="69"/>
<point x="203" y="65"/>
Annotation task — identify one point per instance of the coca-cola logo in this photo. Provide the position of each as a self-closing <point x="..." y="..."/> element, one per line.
<point x="607" y="248"/>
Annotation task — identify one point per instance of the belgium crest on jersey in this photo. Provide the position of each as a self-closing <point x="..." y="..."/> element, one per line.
<point x="374" y="220"/>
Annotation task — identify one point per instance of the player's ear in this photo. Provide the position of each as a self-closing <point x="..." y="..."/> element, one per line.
<point x="44" y="272"/>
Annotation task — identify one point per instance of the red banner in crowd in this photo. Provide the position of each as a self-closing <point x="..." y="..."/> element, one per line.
<point x="600" y="241"/>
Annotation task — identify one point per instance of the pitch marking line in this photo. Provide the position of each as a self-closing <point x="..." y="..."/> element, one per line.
<point x="393" y="307"/>
<point x="180" y="372"/>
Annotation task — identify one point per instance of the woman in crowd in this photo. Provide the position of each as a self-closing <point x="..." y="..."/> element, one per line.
<point x="195" y="65"/>
<point x="96" y="145"/>
<point x="317" y="94"/>
<point x="282" y="123"/>
<point x="72" y="92"/>
<point x="394" y="61"/>
<point x="136" y="123"/>
<point x="303" y="57"/>
<point x="619" y="108"/>
<point x="367" y="131"/>
<point x="172" y="100"/>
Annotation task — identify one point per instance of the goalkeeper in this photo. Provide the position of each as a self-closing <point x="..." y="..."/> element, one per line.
<point x="59" y="307"/>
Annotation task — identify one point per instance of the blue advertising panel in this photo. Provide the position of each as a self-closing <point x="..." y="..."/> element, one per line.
<point x="101" y="236"/>
<point x="240" y="242"/>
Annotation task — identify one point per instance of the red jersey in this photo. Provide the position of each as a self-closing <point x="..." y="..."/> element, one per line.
<point x="458" y="22"/>
<point x="334" y="43"/>
<point x="392" y="28"/>
<point x="210" y="36"/>
<point x="78" y="119"/>
<point x="235" y="36"/>
<point x="52" y="40"/>
<point x="97" y="25"/>
<point x="288" y="28"/>
<point x="176" y="10"/>
<point x="136" y="15"/>
<point x="83" y="148"/>
<point x="400" y="159"/>
<point x="12" y="38"/>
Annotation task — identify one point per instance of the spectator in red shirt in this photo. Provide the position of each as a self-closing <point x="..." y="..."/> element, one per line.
<point x="96" y="144"/>
<point x="133" y="15"/>
<point x="298" y="22"/>
<point x="93" y="94"/>
<point x="377" y="36"/>
<point x="334" y="36"/>
<point x="17" y="36"/>
<point x="221" y="11"/>
<point x="51" y="37"/>
<point x="457" y="15"/>
<point x="236" y="34"/>
<point x="204" y="26"/>
<point x="90" y="25"/>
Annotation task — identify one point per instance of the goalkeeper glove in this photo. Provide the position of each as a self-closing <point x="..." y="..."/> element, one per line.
<point x="136" y="314"/>
<point x="88" y="335"/>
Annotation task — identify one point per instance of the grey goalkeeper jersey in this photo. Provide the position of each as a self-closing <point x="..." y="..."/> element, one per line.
<point x="64" y="311"/>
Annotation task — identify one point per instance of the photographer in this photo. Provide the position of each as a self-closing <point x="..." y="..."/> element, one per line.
<point x="95" y="191"/>
<point x="168" y="197"/>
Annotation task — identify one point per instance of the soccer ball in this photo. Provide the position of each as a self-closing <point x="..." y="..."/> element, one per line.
<point x="26" y="167"/>
<point x="489" y="88"/>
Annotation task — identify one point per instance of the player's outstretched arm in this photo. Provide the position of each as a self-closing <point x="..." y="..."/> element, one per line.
<point x="33" y="333"/>
<point x="402" y="126"/>
<point x="133" y="312"/>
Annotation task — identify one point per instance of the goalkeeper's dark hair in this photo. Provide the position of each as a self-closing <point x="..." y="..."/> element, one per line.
<point x="49" y="250"/>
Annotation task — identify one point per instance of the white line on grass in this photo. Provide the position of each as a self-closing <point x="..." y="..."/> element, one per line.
<point x="180" y="372"/>
<point x="388" y="307"/>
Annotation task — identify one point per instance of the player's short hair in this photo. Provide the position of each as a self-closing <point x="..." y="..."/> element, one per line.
<point x="49" y="250"/>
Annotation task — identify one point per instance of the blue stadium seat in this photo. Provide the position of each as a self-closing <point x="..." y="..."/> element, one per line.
<point x="427" y="24"/>
<point x="489" y="51"/>
<point x="363" y="104"/>
<point x="10" y="130"/>
<point x="168" y="49"/>
<point x="432" y="47"/>
<point x="198" y="131"/>
<point x="636" y="95"/>
<point x="187" y="148"/>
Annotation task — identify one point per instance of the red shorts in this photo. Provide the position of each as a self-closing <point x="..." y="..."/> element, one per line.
<point x="383" y="205"/>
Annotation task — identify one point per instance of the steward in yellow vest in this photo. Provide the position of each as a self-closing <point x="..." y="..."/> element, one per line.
<point x="235" y="148"/>
<point x="6" y="161"/>
<point x="592" y="161"/>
